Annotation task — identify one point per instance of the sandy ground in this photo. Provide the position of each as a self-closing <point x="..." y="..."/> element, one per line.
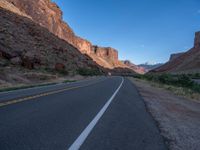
<point x="178" y="118"/>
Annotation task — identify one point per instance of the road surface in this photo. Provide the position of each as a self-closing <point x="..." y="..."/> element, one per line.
<point x="106" y="113"/>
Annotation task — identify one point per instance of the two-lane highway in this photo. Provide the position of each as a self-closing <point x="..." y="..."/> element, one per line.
<point x="100" y="114"/>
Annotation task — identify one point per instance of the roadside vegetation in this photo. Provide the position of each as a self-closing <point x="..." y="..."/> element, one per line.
<point x="88" y="72"/>
<point x="32" y="86"/>
<point x="194" y="76"/>
<point x="24" y="87"/>
<point x="179" y="84"/>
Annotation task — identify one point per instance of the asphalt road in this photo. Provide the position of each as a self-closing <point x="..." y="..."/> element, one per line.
<point x="99" y="114"/>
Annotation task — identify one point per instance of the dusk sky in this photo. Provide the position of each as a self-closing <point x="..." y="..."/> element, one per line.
<point x="141" y="30"/>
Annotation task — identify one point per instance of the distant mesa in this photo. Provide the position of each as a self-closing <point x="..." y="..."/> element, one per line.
<point x="49" y="15"/>
<point x="188" y="62"/>
<point x="150" y="66"/>
<point x="137" y="69"/>
<point x="174" y="56"/>
<point x="46" y="50"/>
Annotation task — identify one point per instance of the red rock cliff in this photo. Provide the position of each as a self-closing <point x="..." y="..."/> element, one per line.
<point x="188" y="62"/>
<point x="106" y="53"/>
<point x="134" y="67"/>
<point x="49" y="15"/>
<point x="197" y="40"/>
<point x="174" y="56"/>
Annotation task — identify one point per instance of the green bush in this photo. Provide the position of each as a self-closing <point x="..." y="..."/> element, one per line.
<point x="63" y="72"/>
<point x="88" y="72"/>
<point x="185" y="81"/>
<point x="166" y="79"/>
<point x="175" y="80"/>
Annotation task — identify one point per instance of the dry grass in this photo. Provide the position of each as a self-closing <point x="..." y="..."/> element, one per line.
<point x="180" y="91"/>
<point x="177" y="117"/>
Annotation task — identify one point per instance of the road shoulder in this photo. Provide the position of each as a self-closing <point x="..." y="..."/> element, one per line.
<point x="177" y="117"/>
<point x="125" y="125"/>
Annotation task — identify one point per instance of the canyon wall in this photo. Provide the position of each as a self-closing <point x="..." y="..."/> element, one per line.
<point x="48" y="14"/>
<point x="106" y="53"/>
<point x="188" y="62"/>
<point x="134" y="67"/>
<point x="174" y="56"/>
<point x="24" y="43"/>
<point x="197" y="40"/>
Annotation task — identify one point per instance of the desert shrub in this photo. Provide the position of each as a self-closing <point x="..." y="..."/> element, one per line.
<point x="166" y="79"/>
<point x="185" y="81"/>
<point x="138" y="76"/>
<point x="149" y="77"/>
<point x="196" y="87"/>
<point x="175" y="80"/>
<point x="63" y="72"/>
<point x="88" y="72"/>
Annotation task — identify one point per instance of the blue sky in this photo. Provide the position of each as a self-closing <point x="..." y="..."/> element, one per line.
<point x="141" y="30"/>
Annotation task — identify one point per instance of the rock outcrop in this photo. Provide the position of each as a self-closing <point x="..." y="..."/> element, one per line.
<point x="150" y="66"/>
<point x="188" y="62"/>
<point x="48" y="14"/>
<point x="25" y="43"/>
<point x="9" y="6"/>
<point x="107" y="53"/>
<point x="134" y="67"/>
<point x="174" y="56"/>
<point x="197" y="40"/>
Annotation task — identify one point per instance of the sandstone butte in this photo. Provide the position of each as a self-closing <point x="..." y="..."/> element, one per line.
<point x="188" y="62"/>
<point x="25" y="43"/>
<point x="48" y="14"/>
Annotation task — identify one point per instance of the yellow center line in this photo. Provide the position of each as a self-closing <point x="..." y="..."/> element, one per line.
<point x="14" y="101"/>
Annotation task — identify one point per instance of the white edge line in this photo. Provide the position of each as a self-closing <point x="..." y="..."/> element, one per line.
<point x="82" y="137"/>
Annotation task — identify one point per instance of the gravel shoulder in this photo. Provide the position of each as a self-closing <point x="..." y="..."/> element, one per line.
<point x="178" y="118"/>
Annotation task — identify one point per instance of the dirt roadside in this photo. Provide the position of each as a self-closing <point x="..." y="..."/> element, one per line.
<point x="178" y="118"/>
<point x="15" y="78"/>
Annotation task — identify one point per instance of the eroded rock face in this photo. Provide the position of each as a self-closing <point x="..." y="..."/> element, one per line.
<point x="174" y="56"/>
<point x="106" y="53"/>
<point x="188" y="62"/>
<point x="23" y="42"/>
<point x="134" y="67"/>
<point x="197" y="40"/>
<point x="49" y="15"/>
<point x="11" y="7"/>
<point x="84" y="46"/>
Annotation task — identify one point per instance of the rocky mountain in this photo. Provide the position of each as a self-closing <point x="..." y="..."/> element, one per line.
<point x="48" y="14"/>
<point x="174" y="56"/>
<point x="188" y="62"/>
<point x="24" y="43"/>
<point x="149" y="66"/>
<point x="137" y="69"/>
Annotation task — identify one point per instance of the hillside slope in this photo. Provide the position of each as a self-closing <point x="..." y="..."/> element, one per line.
<point x="188" y="62"/>
<point x="48" y="14"/>
<point x="139" y="70"/>
<point x="25" y="43"/>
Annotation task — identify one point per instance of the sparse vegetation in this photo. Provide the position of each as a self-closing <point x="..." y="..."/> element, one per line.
<point x="88" y="72"/>
<point x="194" y="76"/>
<point x="180" y="84"/>
<point x="69" y="81"/>
<point x="25" y="87"/>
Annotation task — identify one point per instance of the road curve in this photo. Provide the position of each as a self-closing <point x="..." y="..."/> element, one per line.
<point x="55" y="121"/>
